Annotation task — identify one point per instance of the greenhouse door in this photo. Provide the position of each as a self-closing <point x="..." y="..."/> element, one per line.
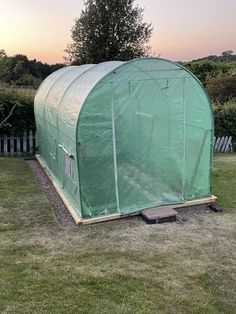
<point x="149" y="143"/>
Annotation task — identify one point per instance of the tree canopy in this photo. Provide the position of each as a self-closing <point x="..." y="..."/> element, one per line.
<point x="21" y="71"/>
<point x="109" y="30"/>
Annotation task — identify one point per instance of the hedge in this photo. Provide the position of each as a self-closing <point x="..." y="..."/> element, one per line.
<point x="225" y="119"/>
<point x="23" y="116"/>
<point x="222" y="88"/>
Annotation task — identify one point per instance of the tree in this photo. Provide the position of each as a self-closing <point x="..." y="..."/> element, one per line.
<point x="109" y="30"/>
<point x="227" y="53"/>
<point x="19" y="70"/>
<point x="2" y="53"/>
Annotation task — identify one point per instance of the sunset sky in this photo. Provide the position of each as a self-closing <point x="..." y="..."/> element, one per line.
<point x="183" y="30"/>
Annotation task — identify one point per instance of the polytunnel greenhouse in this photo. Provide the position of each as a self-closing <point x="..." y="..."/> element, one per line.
<point x="119" y="137"/>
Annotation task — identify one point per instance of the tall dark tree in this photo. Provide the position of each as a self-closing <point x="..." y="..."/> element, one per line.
<point x="109" y="30"/>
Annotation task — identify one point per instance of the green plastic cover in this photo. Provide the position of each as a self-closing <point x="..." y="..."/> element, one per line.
<point x="119" y="137"/>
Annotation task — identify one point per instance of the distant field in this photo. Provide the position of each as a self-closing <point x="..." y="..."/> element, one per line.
<point x="124" y="266"/>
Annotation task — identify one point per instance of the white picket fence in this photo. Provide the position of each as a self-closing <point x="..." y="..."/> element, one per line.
<point x="27" y="143"/>
<point x="223" y="144"/>
<point x="18" y="144"/>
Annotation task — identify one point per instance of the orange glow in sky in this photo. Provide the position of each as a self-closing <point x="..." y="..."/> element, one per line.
<point x="184" y="29"/>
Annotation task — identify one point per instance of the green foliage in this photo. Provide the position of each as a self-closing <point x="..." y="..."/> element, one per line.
<point x="28" y="80"/>
<point x="221" y="88"/>
<point x="213" y="66"/>
<point x="19" y="70"/>
<point x="225" y="119"/>
<point x="2" y="53"/>
<point x="23" y="115"/>
<point x="207" y="68"/>
<point x="226" y="56"/>
<point x="109" y="30"/>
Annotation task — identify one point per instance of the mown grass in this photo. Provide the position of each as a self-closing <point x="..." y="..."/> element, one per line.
<point x="224" y="181"/>
<point x="123" y="266"/>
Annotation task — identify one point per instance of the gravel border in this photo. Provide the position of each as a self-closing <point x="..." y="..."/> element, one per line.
<point x="185" y="213"/>
<point x="62" y="214"/>
<point x="66" y="221"/>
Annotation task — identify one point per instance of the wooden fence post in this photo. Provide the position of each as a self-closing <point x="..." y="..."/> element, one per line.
<point x="18" y="147"/>
<point x="5" y="146"/>
<point x="31" y="148"/>
<point x="25" y="142"/>
<point x="12" y="144"/>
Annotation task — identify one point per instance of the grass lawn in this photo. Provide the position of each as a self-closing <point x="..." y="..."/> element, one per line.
<point x="124" y="266"/>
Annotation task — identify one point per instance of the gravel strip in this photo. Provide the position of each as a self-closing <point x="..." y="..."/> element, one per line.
<point x="185" y="213"/>
<point x="62" y="214"/>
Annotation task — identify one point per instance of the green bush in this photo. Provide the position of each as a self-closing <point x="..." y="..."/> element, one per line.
<point x="225" y="119"/>
<point x="206" y="68"/>
<point x="28" y="80"/>
<point x="222" y="88"/>
<point x="23" y="115"/>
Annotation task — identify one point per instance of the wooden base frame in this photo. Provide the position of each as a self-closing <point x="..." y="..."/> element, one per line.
<point x="70" y="208"/>
<point x="78" y="220"/>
